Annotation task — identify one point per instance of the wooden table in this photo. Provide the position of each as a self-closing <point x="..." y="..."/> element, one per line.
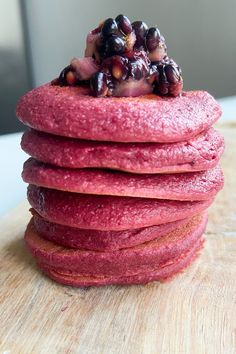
<point x="194" y="313"/>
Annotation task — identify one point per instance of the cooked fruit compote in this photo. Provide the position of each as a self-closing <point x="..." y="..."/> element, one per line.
<point x="124" y="59"/>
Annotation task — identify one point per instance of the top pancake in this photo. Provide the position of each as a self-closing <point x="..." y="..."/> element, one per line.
<point x="72" y="112"/>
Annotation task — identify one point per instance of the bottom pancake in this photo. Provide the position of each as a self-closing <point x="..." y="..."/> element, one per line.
<point x="165" y="272"/>
<point x="141" y="259"/>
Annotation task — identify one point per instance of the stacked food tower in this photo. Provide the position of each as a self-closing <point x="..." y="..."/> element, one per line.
<point x="123" y="163"/>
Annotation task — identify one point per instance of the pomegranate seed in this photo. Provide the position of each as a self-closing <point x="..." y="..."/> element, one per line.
<point x="124" y="24"/>
<point x="140" y="29"/>
<point x="98" y="84"/>
<point x="109" y="27"/>
<point x="153" y="38"/>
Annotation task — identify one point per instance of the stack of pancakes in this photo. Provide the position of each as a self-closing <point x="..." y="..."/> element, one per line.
<point x="119" y="187"/>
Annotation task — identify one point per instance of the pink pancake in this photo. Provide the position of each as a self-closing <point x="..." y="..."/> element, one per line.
<point x="71" y="111"/>
<point x="182" y="186"/>
<point x="166" y="271"/>
<point x="108" y="212"/>
<point x="200" y="153"/>
<point x="96" y="240"/>
<point x="126" y="262"/>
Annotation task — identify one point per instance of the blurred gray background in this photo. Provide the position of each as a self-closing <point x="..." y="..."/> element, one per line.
<point x="38" y="38"/>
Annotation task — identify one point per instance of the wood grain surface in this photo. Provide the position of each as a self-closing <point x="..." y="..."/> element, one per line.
<point x="193" y="313"/>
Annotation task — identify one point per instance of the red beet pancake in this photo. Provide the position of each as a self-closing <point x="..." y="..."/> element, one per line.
<point x="200" y="153"/>
<point x="96" y="240"/>
<point x="127" y="262"/>
<point x="108" y="212"/>
<point x="162" y="273"/>
<point x="182" y="186"/>
<point x="71" y="111"/>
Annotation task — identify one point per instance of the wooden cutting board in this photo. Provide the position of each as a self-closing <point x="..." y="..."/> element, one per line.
<point x="194" y="313"/>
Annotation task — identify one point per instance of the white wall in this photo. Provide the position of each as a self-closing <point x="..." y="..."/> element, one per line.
<point x="201" y="35"/>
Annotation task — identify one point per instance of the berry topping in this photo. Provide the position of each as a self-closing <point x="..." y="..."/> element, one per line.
<point x="124" y="24"/>
<point x="114" y="45"/>
<point x="98" y="84"/>
<point x="168" y="79"/>
<point x="109" y="27"/>
<point x="140" y="29"/>
<point x="117" y="67"/>
<point x="153" y="38"/>
<point x="172" y="74"/>
<point x="67" y="77"/>
<point x="139" y="65"/>
<point x="124" y="59"/>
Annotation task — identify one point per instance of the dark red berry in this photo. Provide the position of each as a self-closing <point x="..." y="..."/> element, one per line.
<point x="67" y="77"/>
<point x="153" y="76"/>
<point x="153" y="69"/>
<point x="176" y="89"/>
<point x="115" y="45"/>
<point x="172" y="74"/>
<point x="119" y="67"/>
<point x="124" y="24"/>
<point x="153" y="38"/>
<point x="139" y="65"/>
<point x="116" y="67"/>
<point x="163" y="86"/>
<point x="109" y="27"/>
<point x="136" y="70"/>
<point x="140" y="28"/>
<point x="98" y="85"/>
<point x="169" y="81"/>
